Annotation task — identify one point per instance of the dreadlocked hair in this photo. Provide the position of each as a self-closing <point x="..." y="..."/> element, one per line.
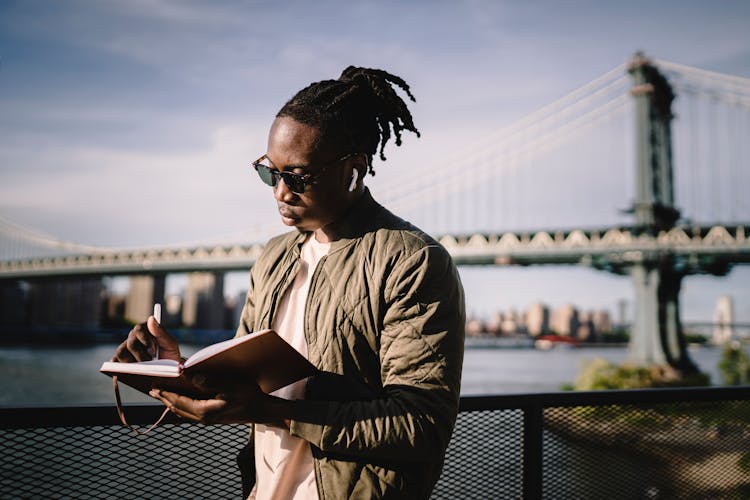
<point x="361" y="108"/>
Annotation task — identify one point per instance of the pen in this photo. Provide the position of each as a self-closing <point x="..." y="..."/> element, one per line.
<point x="157" y="317"/>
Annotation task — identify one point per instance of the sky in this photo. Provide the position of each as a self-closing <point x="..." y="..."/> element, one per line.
<point x="134" y="123"/>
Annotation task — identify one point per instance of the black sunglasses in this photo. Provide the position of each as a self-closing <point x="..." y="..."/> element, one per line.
<point x="295" y="182"/>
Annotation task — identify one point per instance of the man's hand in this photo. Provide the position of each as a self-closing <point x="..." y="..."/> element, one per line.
<point x="143" y="341"/>
<point x="233" y="403"/>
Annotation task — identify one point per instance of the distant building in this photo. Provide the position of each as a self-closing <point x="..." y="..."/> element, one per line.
<point x="723" y="320"/>
<point x="172" y="315"/>
<point x="494" y="325"/>
<point x="203" y="301"/>
<point x="239" y="304"/>
<point x="586" y="330"/>
<point x="142" y="293"/>
<point x="66" y="303"/>
<point x="537" y="319"/>
<point x="113" y="310"/>
<point x="12" y="304"/>
<point x="602" y="321"/>
<point x="474" y="327"/>
<point x="510" y="322"/>
<point x="564" y="320"/>
<point x="114" y="306"/>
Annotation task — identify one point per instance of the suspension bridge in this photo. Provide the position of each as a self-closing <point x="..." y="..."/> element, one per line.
<point x="642" y="171"/>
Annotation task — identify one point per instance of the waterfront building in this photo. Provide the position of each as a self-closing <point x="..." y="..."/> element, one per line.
<point x="12" y="304"/>
<point x="237" y="307"/>
<point x="172" y="312"/>
<point x="72" y="303"/>
<point x="586" y="331"/>
<point x="494" y="324"/>
<point x="564" y="320"/>
<point x="723" y="330"/>
<point x="203" y="301"/>
<point x="143" y="291"/>
<point x="474" y="327"/>
<point x="113" y="309"/>
<point x="114" y="306"/>
<point x="510" y="322"/>
<point x="537" y="319"/>
<point x="602" y="321"/>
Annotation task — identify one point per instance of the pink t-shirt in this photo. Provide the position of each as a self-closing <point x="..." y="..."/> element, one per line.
<point x="284" y="463"/>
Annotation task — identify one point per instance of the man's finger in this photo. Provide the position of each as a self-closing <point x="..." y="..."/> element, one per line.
<point x="193" y="409"/>
<point x="167" y="398"/>
<point x="168" y="347"/>
<point x="123" y="355"/>
<point x="138" y="343"/>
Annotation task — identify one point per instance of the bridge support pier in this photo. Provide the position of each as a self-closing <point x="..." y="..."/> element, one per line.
<point x="203" y="302"/>
<point x="144" y="291"/>
<point x="645" y="348"/>
<point x="657" y="337"/>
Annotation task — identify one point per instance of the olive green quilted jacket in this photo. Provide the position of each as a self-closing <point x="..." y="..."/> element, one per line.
<point x="384" y="322"/>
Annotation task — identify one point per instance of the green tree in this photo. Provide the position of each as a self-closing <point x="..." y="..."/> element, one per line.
<point x="734" y="365"/>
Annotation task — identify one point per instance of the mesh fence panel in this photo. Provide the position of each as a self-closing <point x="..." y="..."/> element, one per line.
<point x="484" y="458"/>
<point x="173" y="461"/>
<point x="671" y="450"/>
<point x="601" y="450"/>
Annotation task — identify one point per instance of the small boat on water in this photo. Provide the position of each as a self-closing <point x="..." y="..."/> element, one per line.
<point x="547" y="342"/>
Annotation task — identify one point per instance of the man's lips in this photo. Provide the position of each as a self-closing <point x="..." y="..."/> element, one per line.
<point x="286" y="212"/>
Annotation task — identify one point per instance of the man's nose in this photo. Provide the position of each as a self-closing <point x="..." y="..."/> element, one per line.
<point x="281" y="191"/>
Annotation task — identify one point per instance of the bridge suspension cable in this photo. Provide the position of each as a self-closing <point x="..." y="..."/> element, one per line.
<point x="718" y="169"/>
<point x="560" y="114"/>
<point x="720" y="86"/>
<point x="446" y="184"/>
<point x="733" y="81"/>
<point x="17" y="241"/>
<point x="513" y="148"/>
<point x="712" y="118"/>
<point x="556" y="114"/>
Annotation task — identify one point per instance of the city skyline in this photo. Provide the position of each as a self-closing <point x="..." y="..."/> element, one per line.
<point x="176" y="285"/>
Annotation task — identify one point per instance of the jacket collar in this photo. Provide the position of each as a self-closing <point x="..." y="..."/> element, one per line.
<point x="361" y="218"/>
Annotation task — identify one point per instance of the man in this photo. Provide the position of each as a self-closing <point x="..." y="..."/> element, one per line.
<point x="374" y="303"/>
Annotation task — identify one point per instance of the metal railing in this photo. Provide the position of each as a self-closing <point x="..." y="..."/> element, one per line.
<point x="658" y="443"/>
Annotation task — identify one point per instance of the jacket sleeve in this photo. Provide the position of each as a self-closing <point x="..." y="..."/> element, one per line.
<point x="247" y="317"/>
<point x="421" y="356"/>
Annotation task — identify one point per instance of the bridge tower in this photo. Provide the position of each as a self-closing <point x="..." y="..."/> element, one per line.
<point x="657" y="335"/>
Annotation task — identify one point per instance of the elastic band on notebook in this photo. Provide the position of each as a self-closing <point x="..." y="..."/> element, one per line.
<point x="121" y="412"/>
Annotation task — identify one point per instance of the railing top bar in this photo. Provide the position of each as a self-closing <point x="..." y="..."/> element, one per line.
<point x="601" y="398"/>
<point x="37" y="416"/>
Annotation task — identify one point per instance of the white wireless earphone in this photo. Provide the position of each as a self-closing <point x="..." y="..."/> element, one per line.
<point x="355" y="178"/>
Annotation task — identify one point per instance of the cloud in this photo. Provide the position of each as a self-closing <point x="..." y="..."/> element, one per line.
<point x="115" y="197"/>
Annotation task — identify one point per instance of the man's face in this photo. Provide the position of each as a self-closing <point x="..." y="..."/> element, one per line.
<point x="295" y="147"/>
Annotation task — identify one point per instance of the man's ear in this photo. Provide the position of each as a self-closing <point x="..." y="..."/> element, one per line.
<point x="361" y="164"/>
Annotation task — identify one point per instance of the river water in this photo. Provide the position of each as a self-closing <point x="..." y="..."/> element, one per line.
<point x="69" y="375"/>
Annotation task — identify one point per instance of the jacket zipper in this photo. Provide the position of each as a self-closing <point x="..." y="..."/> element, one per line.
<point x="310" y="293"/>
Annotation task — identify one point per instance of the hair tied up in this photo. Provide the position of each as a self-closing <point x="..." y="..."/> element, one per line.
<point x="361" y="108"/>
<point x="358" y="74"/>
